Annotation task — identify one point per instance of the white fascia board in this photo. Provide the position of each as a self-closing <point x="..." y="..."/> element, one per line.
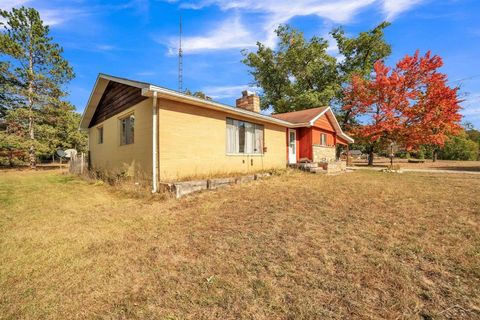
<point x="94" y="98"/>
<point x="301" y="125"/>
<point x="332" y="117"/>
<point x="337" y="126"/>
<point x="97" y="92"/>
<point x="318" y="116"/>
<point x="127" y="82"/>
<point x="177" y="96"/>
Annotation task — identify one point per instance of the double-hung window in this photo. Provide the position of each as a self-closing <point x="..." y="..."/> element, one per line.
<point x="127" y="129"/>
<point x="244" y="137"/>
<point x="323" y="139"/>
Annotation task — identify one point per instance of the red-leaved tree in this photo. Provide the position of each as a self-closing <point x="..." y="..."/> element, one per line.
<point x="410" y="105"/>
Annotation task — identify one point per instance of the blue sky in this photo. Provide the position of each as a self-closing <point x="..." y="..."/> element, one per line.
<point x="138" y="39"/>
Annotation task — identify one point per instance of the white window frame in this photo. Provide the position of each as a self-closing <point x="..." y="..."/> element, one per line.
<point x="323" y="139"/>
<point x="232" y="143"/>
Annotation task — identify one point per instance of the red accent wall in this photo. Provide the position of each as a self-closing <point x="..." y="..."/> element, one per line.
<point x="309" y="136"/>
<point x="306" y="137"/>
<point x="305" y="143"/>
<point x="316" y="132"/>
<point x="324" y="123"/>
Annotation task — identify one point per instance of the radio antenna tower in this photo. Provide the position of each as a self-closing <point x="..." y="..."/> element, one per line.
<point x="180" y="60"/>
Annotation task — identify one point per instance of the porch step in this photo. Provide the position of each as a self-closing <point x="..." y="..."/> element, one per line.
<point x="317" y="170"/>
<point x="308" y="165"/>
<point x="327" y="167"/>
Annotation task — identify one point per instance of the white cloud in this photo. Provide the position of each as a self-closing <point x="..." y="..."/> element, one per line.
<point x="230" y="34"/>
<point x="471" y="105"/>
<point x="51" y="16"/>
<point x="272" y="13"/>
<point x="9" y="4"/>
<point x="55" y="17"/>
<point x="338" y="11"/>
<point x="392" y="8"/>
<point x="105" y="47"/>
<point x="278" y="12"/>
<point x="222" y="92"/>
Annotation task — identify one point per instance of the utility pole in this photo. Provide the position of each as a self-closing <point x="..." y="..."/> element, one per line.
<point x="180" y="60"/>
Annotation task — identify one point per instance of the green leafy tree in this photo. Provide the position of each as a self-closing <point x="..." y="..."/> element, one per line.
<point x="300" y="74"/>
<point x="198" y="94"/>
<point x="359" y="56"/>
<point x="473" y="135"/>
<point x="460" y="148"/>
<point x="36" y="65"/>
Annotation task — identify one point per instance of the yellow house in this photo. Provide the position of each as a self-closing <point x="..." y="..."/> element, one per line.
<point x="158" y="134"/>
<point x="134" y="127"/>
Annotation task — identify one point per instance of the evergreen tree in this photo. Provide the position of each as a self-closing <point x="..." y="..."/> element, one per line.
<point x="37" y="68"/>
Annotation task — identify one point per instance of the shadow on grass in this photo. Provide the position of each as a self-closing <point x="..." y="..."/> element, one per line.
<point x="40" y="167"/>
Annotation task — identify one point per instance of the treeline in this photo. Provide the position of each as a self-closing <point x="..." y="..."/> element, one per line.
<point x="35" y="118"/>
<point x="409" y="104"/>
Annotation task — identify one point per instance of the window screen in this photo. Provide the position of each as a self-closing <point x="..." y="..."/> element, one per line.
<point x="127" y="130"/>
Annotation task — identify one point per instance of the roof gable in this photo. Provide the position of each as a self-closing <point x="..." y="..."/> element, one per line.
<point x="309" y="117"/>
<point x="323" y="122"/>
<point x="97" y="93"/>
<point x="116" y="98"/>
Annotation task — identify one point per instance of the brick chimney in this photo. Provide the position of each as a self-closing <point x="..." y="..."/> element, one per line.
<point x="249" y="101"/>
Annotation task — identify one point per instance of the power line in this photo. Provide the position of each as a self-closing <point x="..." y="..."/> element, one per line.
<point x="467" y="78"/>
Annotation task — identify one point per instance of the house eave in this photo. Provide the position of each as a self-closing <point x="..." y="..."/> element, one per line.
<point x="98" y="89"/>
<point x="180" y="97"/>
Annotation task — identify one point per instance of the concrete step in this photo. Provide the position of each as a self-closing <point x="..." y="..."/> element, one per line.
<point x="317" y="170"/>
<point x="308" y="165"/>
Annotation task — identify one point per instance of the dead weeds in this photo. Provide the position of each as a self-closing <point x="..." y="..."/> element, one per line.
<point x="296" y="246"/>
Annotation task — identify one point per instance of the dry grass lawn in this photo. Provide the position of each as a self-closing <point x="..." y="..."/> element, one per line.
<point x="428" y="164"/>
<point x="297" y="246"/>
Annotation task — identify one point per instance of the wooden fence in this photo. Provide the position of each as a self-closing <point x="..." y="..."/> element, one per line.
<point x="78" y="164"/>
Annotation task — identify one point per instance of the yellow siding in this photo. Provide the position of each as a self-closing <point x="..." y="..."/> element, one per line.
<point x="193" y="142"/>
<point x="133" y="159"/>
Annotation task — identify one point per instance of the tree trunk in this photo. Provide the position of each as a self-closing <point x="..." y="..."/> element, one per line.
<point x="31" y="151"/>
<point x="434" y="155"/>
<point x="370" y="158"/>
<point x="10" y="159"/>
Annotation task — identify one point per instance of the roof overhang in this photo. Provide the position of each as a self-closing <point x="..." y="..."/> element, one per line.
<point x="331" y="116"/>
<point x="336" y="125"/>
<point x="148" y="90"/>
<point x="180" y="97"/>
<point x="98" y="89"/>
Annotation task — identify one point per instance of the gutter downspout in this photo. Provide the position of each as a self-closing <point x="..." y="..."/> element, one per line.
<point x="154" y="142"/>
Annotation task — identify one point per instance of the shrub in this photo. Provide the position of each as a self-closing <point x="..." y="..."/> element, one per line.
<point x="420" y="154"/>
<point x="460" y="148"/>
